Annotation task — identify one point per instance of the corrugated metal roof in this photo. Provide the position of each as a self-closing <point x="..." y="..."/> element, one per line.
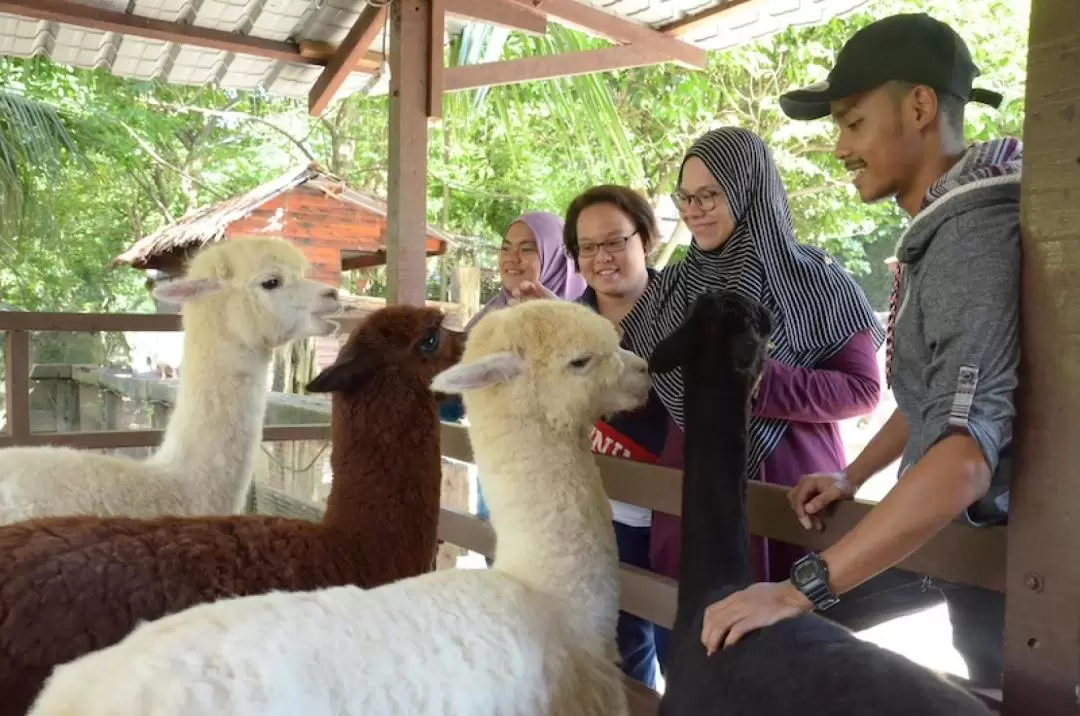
<point x="329" y="21"/>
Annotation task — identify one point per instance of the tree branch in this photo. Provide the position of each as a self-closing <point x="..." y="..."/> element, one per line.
<point x="145" y="146"/>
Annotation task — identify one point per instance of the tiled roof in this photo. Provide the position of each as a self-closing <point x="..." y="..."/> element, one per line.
<point x="329" y="21"/>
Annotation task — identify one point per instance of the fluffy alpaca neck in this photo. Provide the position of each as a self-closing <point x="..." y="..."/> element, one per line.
<point x="550" y="514"/>
<point x="388" y="469"/>
<point x="217" y="421"/>
<point x="715" y="541"/>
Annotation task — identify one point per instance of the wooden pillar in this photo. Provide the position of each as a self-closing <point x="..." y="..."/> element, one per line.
<point x="1042" y="629"/>
<point x="466" y="290"/>
<point x="17" y="390"/>
<point x="410" y="33"/>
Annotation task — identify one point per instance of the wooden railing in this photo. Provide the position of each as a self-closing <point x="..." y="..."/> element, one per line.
<point x="960" y="553"/>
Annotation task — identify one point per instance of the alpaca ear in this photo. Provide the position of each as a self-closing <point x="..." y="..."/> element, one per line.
<point x="670" y="353"/>
<point x="182" y="290"/>
<point x="492" y="369"/>
<point x="344" y="376"/>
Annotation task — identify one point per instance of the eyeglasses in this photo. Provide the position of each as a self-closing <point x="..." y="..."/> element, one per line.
<point x="705" y="200"/>
<point x="613" y="245"/>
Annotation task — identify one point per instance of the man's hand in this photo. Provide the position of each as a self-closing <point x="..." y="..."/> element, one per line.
<point x="529" y="290"/>
<point x="816" y="492"/>
<point x="758" y="606"/>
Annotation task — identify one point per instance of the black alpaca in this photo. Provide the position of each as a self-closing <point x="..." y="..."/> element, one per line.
<point x="806" y="666"/>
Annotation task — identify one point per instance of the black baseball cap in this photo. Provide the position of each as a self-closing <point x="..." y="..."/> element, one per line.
<point x="912" y="47"/>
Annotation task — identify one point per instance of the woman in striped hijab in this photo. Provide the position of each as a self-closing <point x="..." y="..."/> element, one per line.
<point x="821" y="367"/>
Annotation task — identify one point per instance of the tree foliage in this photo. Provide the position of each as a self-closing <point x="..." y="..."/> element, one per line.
<point x="101" y="161"/>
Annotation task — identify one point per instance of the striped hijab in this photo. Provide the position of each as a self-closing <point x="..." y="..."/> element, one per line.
<point x="817" y="306"/>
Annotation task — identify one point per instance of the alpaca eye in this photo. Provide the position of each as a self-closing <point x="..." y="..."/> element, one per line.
<point x="580" y="362"/>
<point x="271" y="283"/>
<point x="430" y="343"/>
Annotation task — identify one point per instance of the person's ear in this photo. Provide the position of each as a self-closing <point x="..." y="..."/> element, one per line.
<point x="924" y="107"/>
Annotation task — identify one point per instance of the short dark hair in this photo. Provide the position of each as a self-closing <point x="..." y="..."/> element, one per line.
<point x="633" y="204"/>
<point x="950" y="106"/>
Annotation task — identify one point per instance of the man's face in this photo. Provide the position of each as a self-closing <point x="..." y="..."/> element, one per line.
<point x="876" y="143"/>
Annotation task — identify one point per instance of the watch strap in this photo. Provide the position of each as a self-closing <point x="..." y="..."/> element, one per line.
<point x="820" y="595"/>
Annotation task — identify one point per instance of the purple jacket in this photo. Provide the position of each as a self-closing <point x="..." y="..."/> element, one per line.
<point x="846" y="385"/>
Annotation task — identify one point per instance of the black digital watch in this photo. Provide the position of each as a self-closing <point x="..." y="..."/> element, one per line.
<point x="810" y="575"/>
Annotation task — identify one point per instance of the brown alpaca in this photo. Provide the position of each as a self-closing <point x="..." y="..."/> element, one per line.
<point x="71" y="585"/>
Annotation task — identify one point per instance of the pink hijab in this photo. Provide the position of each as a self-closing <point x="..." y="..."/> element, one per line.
<point x="557" y="272"/>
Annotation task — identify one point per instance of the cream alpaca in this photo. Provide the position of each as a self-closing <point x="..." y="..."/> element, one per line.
<point x="242" y="299"/>
<point x="532" y="636"/>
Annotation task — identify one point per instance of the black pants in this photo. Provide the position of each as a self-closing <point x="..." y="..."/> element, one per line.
<point x="977" y="616"/>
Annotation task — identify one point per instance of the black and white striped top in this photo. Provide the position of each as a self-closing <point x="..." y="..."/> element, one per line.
<point x="816" y="305"/>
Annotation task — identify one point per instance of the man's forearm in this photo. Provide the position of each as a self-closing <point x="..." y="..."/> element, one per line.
<point x="882" y="450"/>
<point x="932" y="493"/>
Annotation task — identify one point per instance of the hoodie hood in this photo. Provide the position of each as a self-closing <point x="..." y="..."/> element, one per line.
<point x="988" y="174"/>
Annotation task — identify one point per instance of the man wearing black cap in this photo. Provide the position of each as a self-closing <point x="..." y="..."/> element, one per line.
<point x="897" y="94"/>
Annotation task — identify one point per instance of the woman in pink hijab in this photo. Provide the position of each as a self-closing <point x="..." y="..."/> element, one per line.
<point x="532" y="252"/>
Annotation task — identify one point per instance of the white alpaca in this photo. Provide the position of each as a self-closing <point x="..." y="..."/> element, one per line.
<point x="242" y="299"/>
<point x="533" y="636"/>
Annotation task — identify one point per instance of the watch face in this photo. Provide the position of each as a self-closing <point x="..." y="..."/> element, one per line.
<point x="806" y="571"/>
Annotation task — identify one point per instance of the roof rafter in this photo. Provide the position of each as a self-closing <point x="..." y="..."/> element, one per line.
<point x="95" y="18"/>
<point x="352" y="49"/>
<point x="567" y="64"/>
<point x="503" y="13"/>
<point x="617" y="29"/>
<point x="704" y="18"/>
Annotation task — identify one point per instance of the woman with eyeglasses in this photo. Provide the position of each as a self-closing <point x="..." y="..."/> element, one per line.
<point x="822" y="366"/>
<point x="608" y="234"/>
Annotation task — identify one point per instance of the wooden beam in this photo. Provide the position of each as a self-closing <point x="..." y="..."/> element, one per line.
<point x="95" y="18"/>
<point x="502" y="13"/>
<point x="406" y="227"/>
<point x="643" y="701"/>
<point x="706" y="18"/>
<point x="17" y="388"/>
<point x="436" y="59"/>
<point x="352" y="49"/>
<point x="324" y="52"/>
<point x="528" y="69"/>
<point x="959" y="553"/>
<point x="1042" y="622"/>
<point x="150" y="438"/>
<point x="617" y="29"/>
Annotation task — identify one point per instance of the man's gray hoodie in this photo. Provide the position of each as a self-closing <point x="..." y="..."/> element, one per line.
<point x="956" y="341"/>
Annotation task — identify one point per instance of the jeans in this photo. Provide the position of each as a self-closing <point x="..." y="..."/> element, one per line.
<point x="482" y="513"/>
<point x="977" y="616"/>
<point x="481" y="506"/>
<point x="642" y="644"/>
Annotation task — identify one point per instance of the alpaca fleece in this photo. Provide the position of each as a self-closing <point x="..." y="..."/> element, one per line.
<point x="804" y="665"/>
<point x="533" y="636"/>
<point x="69" y="586"/>
<point x="241" y="300"/>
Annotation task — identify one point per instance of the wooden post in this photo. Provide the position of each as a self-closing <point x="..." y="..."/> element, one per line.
<point x="17" y="377"/>
<point x="1042" y="625"/>
<point x="466" y="290"/>
<point x="406" y="260"/>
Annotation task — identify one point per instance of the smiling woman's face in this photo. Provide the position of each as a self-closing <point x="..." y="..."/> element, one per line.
<point x="519" y="256"/>
<point x="610" y="252"/>
<point x="704" y="206"/>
